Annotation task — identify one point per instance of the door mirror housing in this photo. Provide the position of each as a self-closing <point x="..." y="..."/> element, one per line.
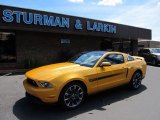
<point x="105" y="64"/>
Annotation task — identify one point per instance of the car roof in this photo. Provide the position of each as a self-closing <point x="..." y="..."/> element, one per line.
<point x="105" y="52"/>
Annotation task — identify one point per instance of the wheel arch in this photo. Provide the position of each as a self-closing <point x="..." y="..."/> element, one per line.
<point x="133" y="72"/>
<point x="138" y="70"/>
<point x="72" y="81"/>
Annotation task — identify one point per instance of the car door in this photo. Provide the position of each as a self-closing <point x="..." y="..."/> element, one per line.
<point x="147" y="55"/>
<point x="114" y="75"/>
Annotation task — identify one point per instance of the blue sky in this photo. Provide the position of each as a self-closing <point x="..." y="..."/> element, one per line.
<point x="140" y="13"/>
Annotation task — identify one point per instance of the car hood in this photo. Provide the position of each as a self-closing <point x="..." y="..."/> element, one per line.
<point x="49" y="72"/>
<point x="158" y="54"/>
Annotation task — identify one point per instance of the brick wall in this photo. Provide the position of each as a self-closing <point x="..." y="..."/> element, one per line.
<point x="44" y="48"/>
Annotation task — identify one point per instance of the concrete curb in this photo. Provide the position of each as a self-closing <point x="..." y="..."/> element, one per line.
<point x="11" y="72"/>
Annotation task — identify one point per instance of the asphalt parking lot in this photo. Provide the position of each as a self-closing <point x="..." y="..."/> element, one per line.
<point x="119" y="103"/>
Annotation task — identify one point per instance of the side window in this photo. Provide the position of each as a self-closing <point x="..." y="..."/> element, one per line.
<point x="130" y="58"/>
<point x="114" y="59"/>
<point x="146" y="51"/>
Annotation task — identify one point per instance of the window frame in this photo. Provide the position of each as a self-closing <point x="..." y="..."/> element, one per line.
<point x="112" y="54"/>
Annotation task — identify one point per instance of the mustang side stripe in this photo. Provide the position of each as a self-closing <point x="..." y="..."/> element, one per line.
<point x="102" y="77"/>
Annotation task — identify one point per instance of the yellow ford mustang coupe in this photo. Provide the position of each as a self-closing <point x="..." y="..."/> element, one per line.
<point x="89" y="72"/>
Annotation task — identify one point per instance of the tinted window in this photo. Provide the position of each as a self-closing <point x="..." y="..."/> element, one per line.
<point x="155" y="50"/>
<point x="146" y="51"/>
<point x="114" y="59"/>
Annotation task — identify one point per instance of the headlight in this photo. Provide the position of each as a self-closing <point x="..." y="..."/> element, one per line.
<point x="45" y="84"/>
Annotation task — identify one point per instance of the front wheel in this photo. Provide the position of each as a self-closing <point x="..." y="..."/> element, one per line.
<point x="72" y="95"/>
<point x="136" y="80"/>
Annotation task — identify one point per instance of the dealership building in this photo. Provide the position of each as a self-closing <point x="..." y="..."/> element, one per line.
<point x="30" y="38"/>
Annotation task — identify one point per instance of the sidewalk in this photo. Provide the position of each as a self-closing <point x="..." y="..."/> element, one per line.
<point x="13" y="71"/>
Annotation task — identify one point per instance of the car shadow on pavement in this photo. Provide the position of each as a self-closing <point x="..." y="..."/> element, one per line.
<point x="24" y="110"/>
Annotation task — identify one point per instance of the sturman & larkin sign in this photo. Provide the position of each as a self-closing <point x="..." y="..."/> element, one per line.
<point x="28" y="18"/>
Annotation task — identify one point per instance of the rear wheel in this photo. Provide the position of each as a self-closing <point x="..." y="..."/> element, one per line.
<point x="154" y="62"/>
<point x="72" y="95"/>
<point x="136" y="80"/>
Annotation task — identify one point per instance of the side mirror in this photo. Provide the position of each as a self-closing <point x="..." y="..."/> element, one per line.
<point x="105" y="64"/>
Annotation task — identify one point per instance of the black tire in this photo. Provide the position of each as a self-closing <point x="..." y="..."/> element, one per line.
<point x="136" y="80"/>
<point x="154" y="62"/>
<point x="72" y="95"/>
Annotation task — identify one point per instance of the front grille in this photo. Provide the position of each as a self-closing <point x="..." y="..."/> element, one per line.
<point x="32" y="82"/>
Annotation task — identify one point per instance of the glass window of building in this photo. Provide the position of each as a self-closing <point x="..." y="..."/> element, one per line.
<point x="7" y="47"/>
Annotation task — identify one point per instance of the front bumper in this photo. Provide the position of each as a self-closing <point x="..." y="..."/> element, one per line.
<point x="47" y="95"/>
<point x="33" y="98"/>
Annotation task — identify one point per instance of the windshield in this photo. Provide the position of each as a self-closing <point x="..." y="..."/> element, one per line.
<point x="88" y="59"/>
<point x="155" y="50"/>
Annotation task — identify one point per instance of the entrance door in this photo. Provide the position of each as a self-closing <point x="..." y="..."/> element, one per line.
<point x="65" y="50"/>
<point x="7" y="47"/>
<point x="123" y="46"/>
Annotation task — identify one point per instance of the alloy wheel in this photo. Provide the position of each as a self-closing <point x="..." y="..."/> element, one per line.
<point x="73" y="96"/>
<point x="136" y="81"/>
